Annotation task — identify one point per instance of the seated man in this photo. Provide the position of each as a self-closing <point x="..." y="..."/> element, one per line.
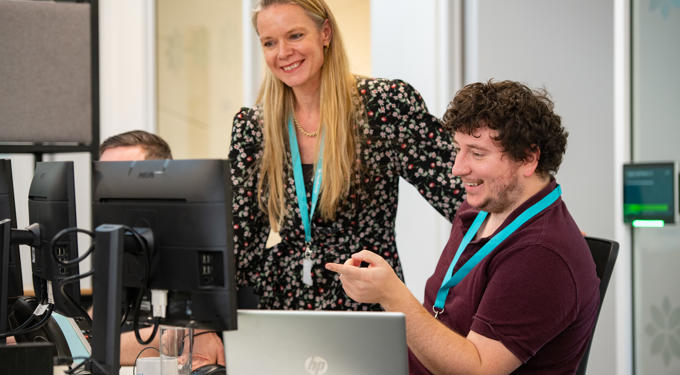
<point x="134" y="145"/>
<point x="141" y="145"/>
<point x="515" y="288"/>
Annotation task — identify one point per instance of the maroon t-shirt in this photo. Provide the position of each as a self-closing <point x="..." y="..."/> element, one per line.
<point x="537" y="292"/>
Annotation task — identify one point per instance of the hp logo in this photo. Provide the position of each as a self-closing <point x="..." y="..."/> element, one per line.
<point x="316" y="365"/>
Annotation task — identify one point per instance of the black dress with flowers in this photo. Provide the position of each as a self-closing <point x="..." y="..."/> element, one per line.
<point x="400" y="139"/>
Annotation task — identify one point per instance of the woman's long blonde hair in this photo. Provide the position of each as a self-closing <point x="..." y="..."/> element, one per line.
<point x="338" y="119"/>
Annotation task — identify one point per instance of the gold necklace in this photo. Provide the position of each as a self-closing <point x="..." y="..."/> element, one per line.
<point x="309" y="134"/>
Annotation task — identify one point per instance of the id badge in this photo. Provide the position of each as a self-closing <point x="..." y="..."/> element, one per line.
<point x="307" y="267"/>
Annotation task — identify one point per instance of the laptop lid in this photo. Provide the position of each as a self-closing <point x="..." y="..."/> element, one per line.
<point x="317" y="343"/>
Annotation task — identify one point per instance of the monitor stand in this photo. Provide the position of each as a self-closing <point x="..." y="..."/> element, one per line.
<point x="107" y="285"/>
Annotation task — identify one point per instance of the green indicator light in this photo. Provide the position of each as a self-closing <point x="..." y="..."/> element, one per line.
<point x="636" y="208"/>
<point x="648" y="223"/>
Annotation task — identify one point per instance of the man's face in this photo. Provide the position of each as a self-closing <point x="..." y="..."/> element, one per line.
<point x="490" y="177"/>
<point x="123" y="153"/>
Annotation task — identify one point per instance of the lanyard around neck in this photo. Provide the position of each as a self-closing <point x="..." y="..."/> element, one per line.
<point x="305" y="213"/>
<point x="452" y="280"/>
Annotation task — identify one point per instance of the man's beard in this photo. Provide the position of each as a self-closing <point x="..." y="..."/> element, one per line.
<point x="503" y="197"/>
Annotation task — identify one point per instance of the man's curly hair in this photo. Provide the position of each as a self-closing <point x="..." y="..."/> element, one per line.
<point x="523" y="118"/>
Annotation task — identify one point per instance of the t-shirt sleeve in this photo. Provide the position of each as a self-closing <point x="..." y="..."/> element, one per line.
<point x="424" y="151"/>
<point x="251" y="226"/>
<point x="529" y="300"/>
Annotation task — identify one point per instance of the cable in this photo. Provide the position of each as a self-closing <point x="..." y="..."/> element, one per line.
<point x="62" y="359"/>
<point x="79" y="259"/>
<point x="145" y="287"/>
<point x="205" y="332"/>
<point x="77" y="370"/>
<point x="45" y="318"/>
<point x="61" y="283"/>
<point x="20" y="327"/>
<point x="126" y="312"/>
<point x="71" y="279"/>
<point x="134" y="368"/>
<point x="138" y="336"/>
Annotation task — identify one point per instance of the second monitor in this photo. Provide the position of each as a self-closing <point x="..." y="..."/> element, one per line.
<point x="186" y="206"/>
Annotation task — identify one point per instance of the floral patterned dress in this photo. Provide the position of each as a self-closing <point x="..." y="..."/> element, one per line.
<point x="400" y="139"/>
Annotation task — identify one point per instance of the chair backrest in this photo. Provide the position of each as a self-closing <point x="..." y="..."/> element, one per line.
<point x="604" y="254"/>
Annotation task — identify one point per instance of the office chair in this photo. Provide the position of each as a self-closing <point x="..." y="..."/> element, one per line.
<point x="604" y="254"/>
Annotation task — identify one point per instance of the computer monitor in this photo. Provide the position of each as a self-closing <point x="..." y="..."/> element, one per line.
<point x="10" y="264"/>
<point x="649" y="193"/>
<point x="51" y="204"/>
<point x="186" y="206"/>
<point x="8" y="211"/>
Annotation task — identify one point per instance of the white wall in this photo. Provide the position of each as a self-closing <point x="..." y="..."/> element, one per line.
<point x="413" y="41"/>
<point x="126" y="66"/>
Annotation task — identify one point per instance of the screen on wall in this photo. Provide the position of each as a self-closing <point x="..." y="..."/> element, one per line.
<point x="649" y="192"/>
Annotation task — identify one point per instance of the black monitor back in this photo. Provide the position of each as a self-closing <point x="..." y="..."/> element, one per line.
<point x="51" y="203"/>
<point x="8" y="211"/>
<point x="187" y="205"/>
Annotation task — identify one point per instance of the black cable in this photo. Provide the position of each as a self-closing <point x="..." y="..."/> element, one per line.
<point x="134" y="368"/>
<point x="77" y="370"/>
<point x="63" y="358"/>
<point x="45" y="318"/>
<point x="145" y="288"/>
<point x="205" y="332"/>
<point x="71" y="279"/>
<point x="126" y="312"/>
<point x="138" y="336"/>
<point x="72" y="371"/>
<point x="20" y="327"/>
<point x="79" y="259"/>
<point x="68" y="262"/>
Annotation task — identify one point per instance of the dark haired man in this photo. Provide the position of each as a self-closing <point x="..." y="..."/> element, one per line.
<point x="515" y="288"/>
<point x="134" y="145"/>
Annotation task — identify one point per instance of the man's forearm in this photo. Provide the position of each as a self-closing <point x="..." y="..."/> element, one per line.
<point x="130" y="348"/>
<point x="438" y="348"/>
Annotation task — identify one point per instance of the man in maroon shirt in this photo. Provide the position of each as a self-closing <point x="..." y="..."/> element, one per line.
<point x="515" y="289"/>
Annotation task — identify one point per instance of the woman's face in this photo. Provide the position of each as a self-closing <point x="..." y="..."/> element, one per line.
<point x="293" y="45"/>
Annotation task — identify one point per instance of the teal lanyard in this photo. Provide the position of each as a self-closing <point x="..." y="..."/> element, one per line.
<point x="452" y="280"/>
<point x="305" y="213"/>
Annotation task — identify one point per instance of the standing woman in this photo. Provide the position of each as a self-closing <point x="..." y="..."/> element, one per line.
<point x="318" y="159"/>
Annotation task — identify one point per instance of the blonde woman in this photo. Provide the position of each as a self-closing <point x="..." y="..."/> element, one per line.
<point x="318" y="159"/>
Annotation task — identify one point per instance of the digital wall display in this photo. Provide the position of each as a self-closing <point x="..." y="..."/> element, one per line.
<point x="649" y="192"/>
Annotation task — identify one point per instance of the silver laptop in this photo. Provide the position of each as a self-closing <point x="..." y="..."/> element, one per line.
<point x="317" y="343"/>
